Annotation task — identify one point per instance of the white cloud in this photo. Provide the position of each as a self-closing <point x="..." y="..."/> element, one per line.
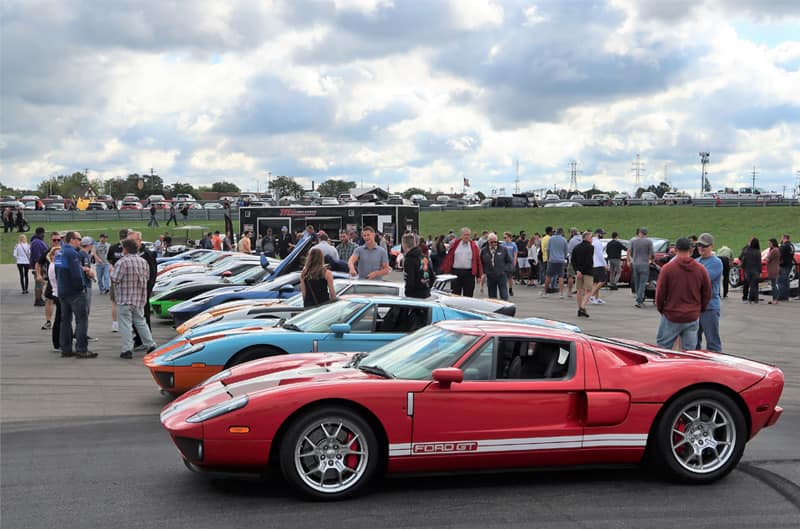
<point x="374" y="90"/>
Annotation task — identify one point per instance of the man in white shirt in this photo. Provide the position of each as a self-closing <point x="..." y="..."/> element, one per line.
<point x="325" y="246"/>
<point x="600" y="271"/>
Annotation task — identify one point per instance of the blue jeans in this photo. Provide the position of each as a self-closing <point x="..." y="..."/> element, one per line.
<point x="640" y="273"/>
<point x="669" y="331"/>
<point x="103" y="277"/>
<point x="495" y="282"/>
<point x="783" y="282"/>
<point x="709" y="326"/>
<point x="74" y="305"/>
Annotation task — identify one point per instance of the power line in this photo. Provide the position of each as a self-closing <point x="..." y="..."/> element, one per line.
<point x="573" y="175"/>
<point x="637" y="169"/>
<point x="704" y="156"/>
<point x="754" y="173"/>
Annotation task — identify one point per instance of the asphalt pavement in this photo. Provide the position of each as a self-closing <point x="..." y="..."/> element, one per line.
<point x="81" y="446"/>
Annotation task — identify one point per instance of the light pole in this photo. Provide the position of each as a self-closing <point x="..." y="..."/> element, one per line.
<point x="703" y="162"/>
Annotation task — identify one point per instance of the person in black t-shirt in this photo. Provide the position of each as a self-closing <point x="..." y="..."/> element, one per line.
<point x="523" y="264"/>
<point x="614" y="250"/>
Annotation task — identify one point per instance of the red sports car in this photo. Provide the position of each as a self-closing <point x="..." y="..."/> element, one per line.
<point x="736" y="274"/>
<point x="469" y="395"/>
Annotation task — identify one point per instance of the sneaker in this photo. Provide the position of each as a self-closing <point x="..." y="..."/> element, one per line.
<point x="140" y="347"/>
<point x="126" y="354"/>
<point x="39" y="303"/>
<point x="593" y="300"/>
<point x="114" y="326"/>
<point x="583" y="313"/>
<point x="86" y="354"/>
<point x="638" y="305"/>
<point x="92" y="339"/>
<point x="600" y="301"/>
<point x="47" y="325"/>
<point x="151" y="348"/>
<point x="561" y="296"/>
<point x="66" y="355"/>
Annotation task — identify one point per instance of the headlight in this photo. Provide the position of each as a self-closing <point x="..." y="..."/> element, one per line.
<point x="215" y="378"/>
<point x="219" y="409"/>
<point x="184" y="352"/>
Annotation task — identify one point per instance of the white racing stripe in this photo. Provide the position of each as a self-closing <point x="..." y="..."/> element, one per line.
<point x="517" y="444"/>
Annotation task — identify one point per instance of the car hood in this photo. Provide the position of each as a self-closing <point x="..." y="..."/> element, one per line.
<point x="228" y="328"/>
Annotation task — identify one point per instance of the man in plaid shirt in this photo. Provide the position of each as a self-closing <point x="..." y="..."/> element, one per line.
<point x="130" y="276"/>
<point x="346" y="246"/>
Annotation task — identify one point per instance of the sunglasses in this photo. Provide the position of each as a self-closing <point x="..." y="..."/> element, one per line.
<point x="701" y="245"/>
<point x="492" y="242"/>
<point x="55" y="240"/>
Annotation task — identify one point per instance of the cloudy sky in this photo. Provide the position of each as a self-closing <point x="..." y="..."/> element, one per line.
<point x="402" y="93"/>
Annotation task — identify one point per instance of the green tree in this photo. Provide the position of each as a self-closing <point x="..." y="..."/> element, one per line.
<point x="225" y="187"/>
<point x="334" y="188"/>
<point x="286" y="186"/>
<point x="414" y="191"/>
<point x="178" y="187"/>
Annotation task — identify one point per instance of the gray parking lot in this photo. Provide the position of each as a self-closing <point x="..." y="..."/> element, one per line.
<point x="96" y="421"/>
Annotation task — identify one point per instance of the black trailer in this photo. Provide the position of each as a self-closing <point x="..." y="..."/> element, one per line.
<point x="392" y="219"/>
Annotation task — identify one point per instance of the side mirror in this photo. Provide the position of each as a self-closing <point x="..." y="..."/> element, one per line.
<point x="340" y="329"/>
<point x="446" y="376"/>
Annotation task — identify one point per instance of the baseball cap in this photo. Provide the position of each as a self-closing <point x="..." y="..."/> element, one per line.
<point x="123" y="233"/>
<point x="683" y="244"/>
<point x="103" y="235"/>
<point x="643" y="230"/>
<point x="284" y="228"/>
<point x="87" y="241"/>
<point x="705" y="240"/>
<point x="601" y="231"/>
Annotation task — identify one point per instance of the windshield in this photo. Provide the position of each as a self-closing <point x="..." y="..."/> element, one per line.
<point x="414" y="357"/>
<point x="253" y="271"/>
<point x="321" y="319"/>
<point x="287" y="279"/>
<point x="209" y="257"/>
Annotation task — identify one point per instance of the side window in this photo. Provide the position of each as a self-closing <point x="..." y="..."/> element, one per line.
<point x="479" y="366"/>
<point x="373" y="289"/>
<point x="401" y="318"/>
<point x="534" y="360"/>
<point x="365" y="322"/>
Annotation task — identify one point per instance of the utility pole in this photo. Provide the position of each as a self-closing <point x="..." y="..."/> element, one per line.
<point x="704" y="156"/>
<point x="573" y="175"/>
<point x="754" y="173"/>
<point x="666" y="178"/>
<point x="637" y="169"/>
<point x="516" y="181"/>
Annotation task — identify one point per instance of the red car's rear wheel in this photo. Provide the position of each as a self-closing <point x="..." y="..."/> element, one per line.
<point x="329" y="454"/>
<point x="701" y="436"/>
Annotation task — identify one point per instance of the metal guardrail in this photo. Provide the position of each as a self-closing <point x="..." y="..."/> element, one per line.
<point x="195" y="216"/>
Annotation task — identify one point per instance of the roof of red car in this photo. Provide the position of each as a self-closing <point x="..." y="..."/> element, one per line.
<point x="481" y="327"/>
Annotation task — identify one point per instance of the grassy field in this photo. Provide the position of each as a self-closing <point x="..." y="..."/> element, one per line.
<point x="729" y="226"/>
<point x="95" y="228"/>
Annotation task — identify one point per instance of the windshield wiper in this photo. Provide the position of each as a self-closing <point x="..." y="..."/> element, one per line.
<point x="292" y="327"/>
<point x="375" y="370"/>
<point x="358" y="357"/>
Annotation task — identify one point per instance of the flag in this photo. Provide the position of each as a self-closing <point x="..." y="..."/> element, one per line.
<point x="466" y="182"/>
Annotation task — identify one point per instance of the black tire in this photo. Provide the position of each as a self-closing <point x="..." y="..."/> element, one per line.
<point x="734" y="277"/>
<point x="302" y="473"/>
<point x="679" y="437"/>
<point x="253" y="353"/>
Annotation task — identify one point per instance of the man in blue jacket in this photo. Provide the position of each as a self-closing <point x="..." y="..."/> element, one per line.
<point x="709" y="318"/>
<point x="72" y="297"/>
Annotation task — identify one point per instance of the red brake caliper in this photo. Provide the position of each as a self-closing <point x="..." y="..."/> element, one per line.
<point x="352" y="460"/>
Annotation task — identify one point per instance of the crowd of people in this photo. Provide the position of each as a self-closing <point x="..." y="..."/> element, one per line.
<point x="686" y="284"/>
<point x="64" y="274"/>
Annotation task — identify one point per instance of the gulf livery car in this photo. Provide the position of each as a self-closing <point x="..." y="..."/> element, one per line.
<point x="276" y="308"/>
<point x="474" y="395"/>
<point x="349" y="324"/>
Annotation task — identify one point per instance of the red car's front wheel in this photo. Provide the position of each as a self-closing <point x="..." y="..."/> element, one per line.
<point x="700" y="436"/>
<point x="329" y="454"/>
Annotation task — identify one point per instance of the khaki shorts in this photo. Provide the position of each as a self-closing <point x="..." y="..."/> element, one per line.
<point x="570" y="270"/>
<point x="584" y="282"/>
